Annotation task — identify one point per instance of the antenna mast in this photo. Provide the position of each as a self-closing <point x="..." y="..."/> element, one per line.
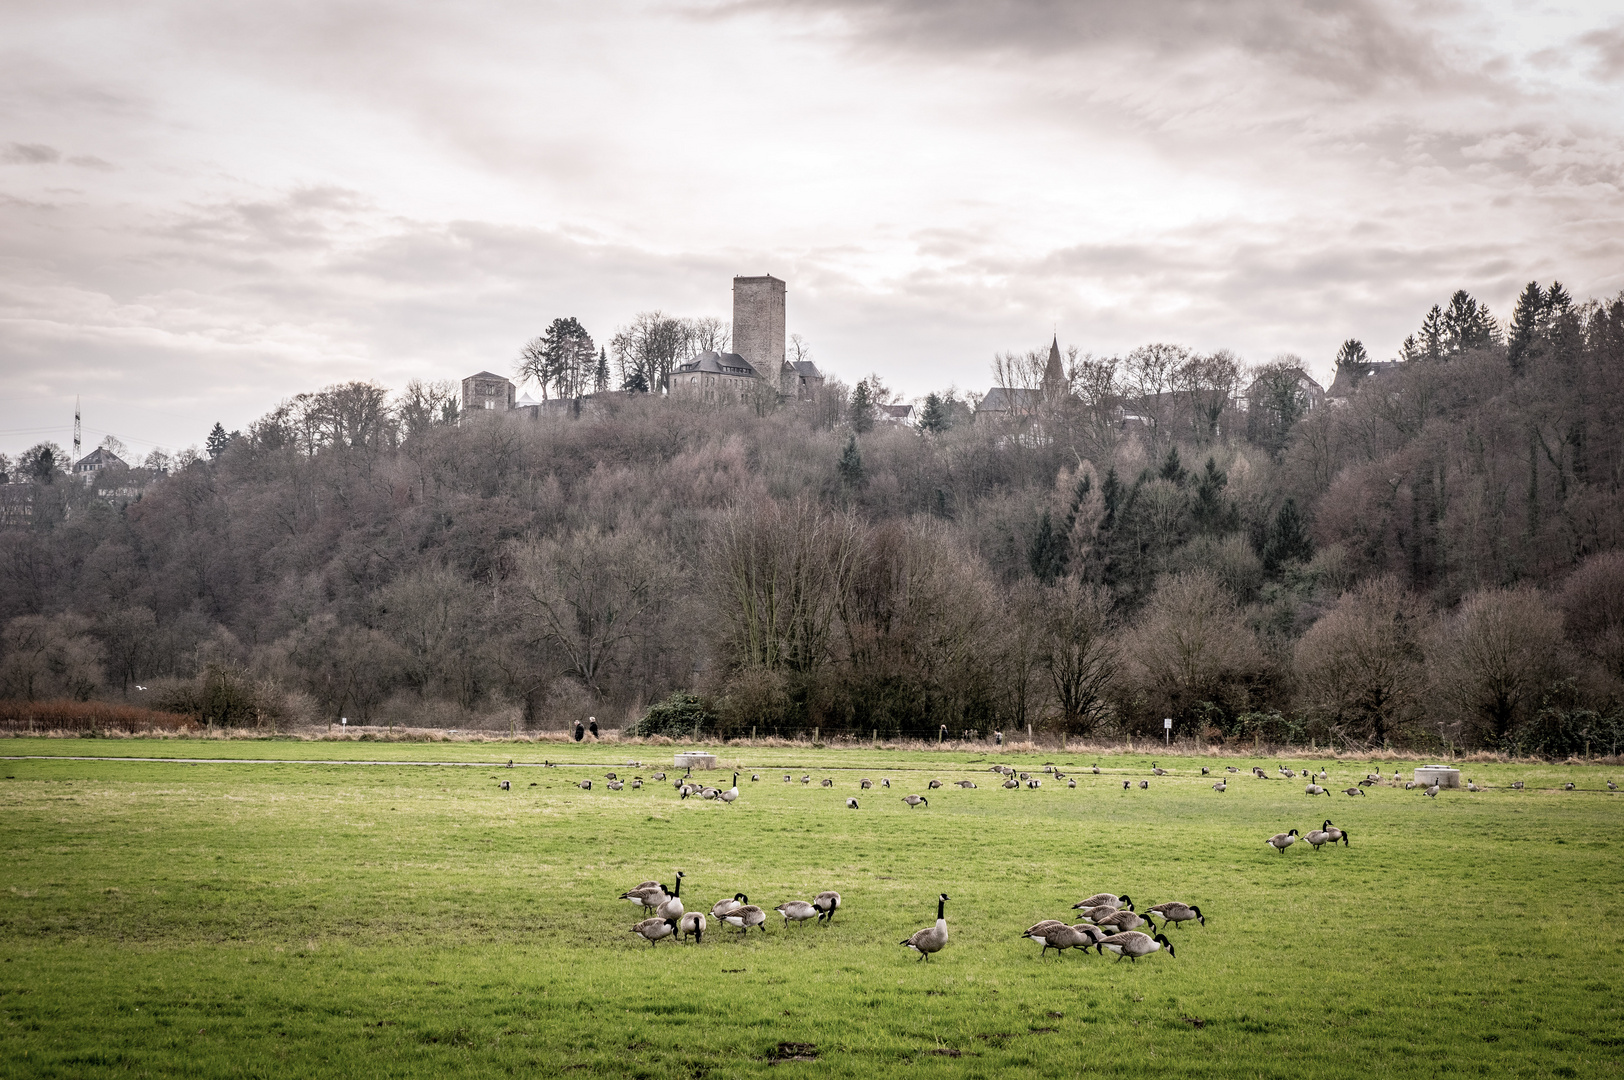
<point x="75" y="460"/>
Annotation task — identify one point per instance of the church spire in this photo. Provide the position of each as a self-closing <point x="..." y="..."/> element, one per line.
<point x="1054" y="373"/>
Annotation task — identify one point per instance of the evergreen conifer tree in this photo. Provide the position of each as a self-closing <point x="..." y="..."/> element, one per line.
<point x="1433" y="334"/>
<point x="1288" y="538"/>
<point x="600" y="380"/>
<point x="850" y="466"/>
<point x="1352" y="355"/>
<point x="217" y="441"/>
<point x="1525" y="322"/>
<point x="934" y="417"/>
<point x="1047" y="554"/>
<point x="862" y="408"/>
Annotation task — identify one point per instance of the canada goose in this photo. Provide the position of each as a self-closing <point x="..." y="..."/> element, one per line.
<point x="1134" y="944"/>
<point x="1287" y="773"/>
<point x="1012" y="783"/>
<point x="806" y="778"/>
<point x="827" y="903"/>
<point x="1205" y="770"/>
<point x="1352" y="791"/>
<point x="754" y="777"/>
<point x="1095" y="914"/>
<point x="786" y="778"/>
<point x="1317" y="838"/>
<point x="1071" y="781"/>
<point x="722" y="907"/>
<point x="1105" y="899"/>
<point x="649" y="894"/>
<point x="510" y="763"/>
<point x="1179" y="913"/>
<point x="1034" y="783"/>
<point x="1315" y="789"/>
<point x="1565" y="787"/>
<point x="610" y="776"/>
<point x="615" y="785"/>
<point x="915" y="800"/>
<point x="1408" y="784"/>
<point x="692" y="922"/>
<point x="1231" y="768"/>
<point x="1368" y="783"/>
<point x="1063" y="937"/>
<point x="1322" y="773"/>
<point x="708" y="792"/>
<point x="1023" y="776"/>
<point x="934" y="784"/>
<point x="1335" y="833"/>
<point x="865" y="783"/>
<point x="1471" y="785"/>
<point x="1611" y="786"/>
<point x="743" y="918"/>
<point x="655" y="929"/>
<point x="658" y="777"/>
<point x="1126" y="784"/>
<point x="585" y="785"/>
<point x="965" y="784"/>
<point x="851" y="803"/>
<point x="1096" y="770"/>
<point x="731" y="793"/>
<point x="799" y="910"/>
<point x="671" y="907"/>
<point x="1144" y="785"/>
<point x="1281" y="841"/>
<point x="1432" y="792"/>
<point x="1517" y="784"/>
<point x="1120" y="920"/>
<point x="826" y="782"/>
<point x="1221" y="786"/>
<point x="1157" y="770"/>
<point x="885" y="782"/>
<point x="932" y="938"/>
<point x="505" y="786"/>
<point x="1039" y="932"/>
<point x="637" y="783"/>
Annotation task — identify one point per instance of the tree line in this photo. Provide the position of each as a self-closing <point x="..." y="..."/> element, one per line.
<point x="1436" y="556"/>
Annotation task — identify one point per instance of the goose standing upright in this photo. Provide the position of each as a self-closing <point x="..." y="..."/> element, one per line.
<point x="932" y="938"/>
<point x="731" y="793"/>
<point x="671" y="907"/>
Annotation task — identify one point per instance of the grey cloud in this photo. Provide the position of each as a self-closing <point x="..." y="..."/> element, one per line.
<point x="1356" y="44"/>
<point x="30" y="154"/>
<point x="1608" y="45"/>
<point x="89" y="161"/>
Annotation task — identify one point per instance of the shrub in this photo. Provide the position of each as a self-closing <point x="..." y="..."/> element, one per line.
<point x="677" y="717"/>
<point x="86" y="716"/>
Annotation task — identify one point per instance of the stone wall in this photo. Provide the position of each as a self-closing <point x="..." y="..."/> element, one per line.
<point x="758" y="323"/>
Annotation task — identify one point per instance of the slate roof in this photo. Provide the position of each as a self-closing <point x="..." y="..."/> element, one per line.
<point x="1010" y="399"/>
<point x="715" y="363"/>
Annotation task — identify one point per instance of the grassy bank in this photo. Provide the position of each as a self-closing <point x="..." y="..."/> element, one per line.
<point x="291" y="919"/>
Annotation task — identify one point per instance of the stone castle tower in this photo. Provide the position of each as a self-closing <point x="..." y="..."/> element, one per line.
<point x="758" y="323"/>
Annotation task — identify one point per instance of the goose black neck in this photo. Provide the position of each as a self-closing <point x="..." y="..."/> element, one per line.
<point x="941" y="910"/>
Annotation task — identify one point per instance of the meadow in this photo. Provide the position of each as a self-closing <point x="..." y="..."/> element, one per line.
<point x="304" y="919"/>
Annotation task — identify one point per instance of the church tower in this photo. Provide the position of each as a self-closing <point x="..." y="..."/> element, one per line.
<point x="1054" y="374"/>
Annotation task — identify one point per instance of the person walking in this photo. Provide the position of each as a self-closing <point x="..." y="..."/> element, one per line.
<point x="580" y="732"/>
<point x="592" y="725"/>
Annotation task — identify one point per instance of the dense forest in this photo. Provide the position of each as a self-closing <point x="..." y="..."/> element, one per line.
<point x="1435" y="554"/>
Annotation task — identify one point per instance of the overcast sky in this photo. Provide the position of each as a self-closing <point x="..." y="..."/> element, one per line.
<point x="208" y="206"/>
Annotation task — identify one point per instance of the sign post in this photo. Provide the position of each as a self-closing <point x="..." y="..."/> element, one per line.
<point x="1167" y="731"/>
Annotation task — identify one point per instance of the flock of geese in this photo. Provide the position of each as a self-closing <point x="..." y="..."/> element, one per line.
<point x="1110" y="924"/>
<point x="671" y="918"/>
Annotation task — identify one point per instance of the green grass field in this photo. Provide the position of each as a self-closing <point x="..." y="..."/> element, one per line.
<point x="276" y="920"/>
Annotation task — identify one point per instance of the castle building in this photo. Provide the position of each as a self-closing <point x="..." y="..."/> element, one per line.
<point x="759" y="353"/>
<point x="95" y="461"/>
<point x="487" y="391"/>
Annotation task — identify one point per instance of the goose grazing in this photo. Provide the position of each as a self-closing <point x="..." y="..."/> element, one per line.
<point x="650" y="894"/>
<point x="692" y="922"/>
<point x="1315" y="789"/>
<point x="1071" y="781"/>
<point x="1118" y="921"/>
<point x="1231" y="768"/>
<point x="799" y="910"/>
<point x="806" y="778"/>
<point x="610" y="776"/>
<point x="1034" y="783"/>
<point x="932" y="938"/>
<point x="865" y="783"/>
<point x="1565" y="787"/>
<point x="744" y="917"/>
<point x="1178" y="913"/>
<point x="1039" y="932"/>
<point x="851" y="803"/>
<point x="786" y="778"/>
<point x="1220" y="787"/>
<point x="637" y="783"/>
<point x="1517" y="785"/>
<point x="965" y="784"/>
<point x="934" y="784"/>
<point x="708" y="792"/>
<point x="1335" y="833"/>
<point x="654" y="929"/>
<point x="1134" y="944"/>
<point x="1105" y="899"/>
<point x="1157" y="770"/>
<point x="1012" y="783"/>
<point x="671" y="906"/>
<point x="585" y="785"/>
<point x="1352" y="791"/>
<point x="1205" y="770"/>
<point x="1368" y="783"/>
<point x="885" y="781"/>
<point x="722" y="907"/>
<point x="1317" y="838"/>
<point x="505" y="786"/>
<point x="826" y="782"/>
<point x="1281" y="841"/>
<point x="658" y="777"/>
<point x="1023" y="776"/>
<point x="755" y="778"/>
<point x="1408" y="784"/>
<point x="731" y="793"/>
<point x="827" y="903"/>
<point x="1471" y="785"/>
<point x="1095" y="914"/>
<point x="1126" y="784"/>
<point x="1144" y="785"/>
<point x="615" y="785"/>
<point x="1611" y="786"/>
<point x="915" y="800"/>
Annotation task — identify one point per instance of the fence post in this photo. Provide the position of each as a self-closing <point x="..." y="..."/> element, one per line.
<point x="874" y="737"/>
<point x="752" y="734"/>
<point x="1028" y="734"/>
<point x="817" y="734"/>
<point x="1062" y="741"/>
